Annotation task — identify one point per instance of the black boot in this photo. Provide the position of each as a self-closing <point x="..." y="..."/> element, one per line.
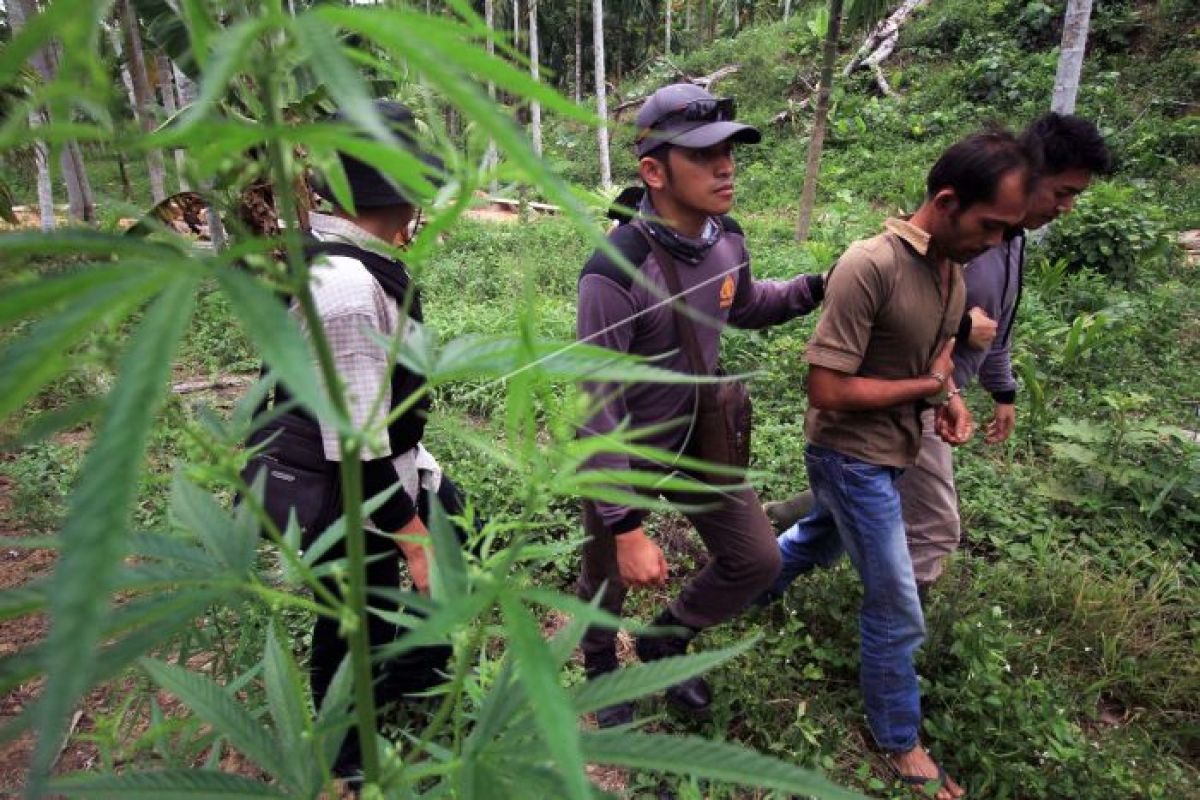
<point x="595" y="665"/>
<point x="692" y="697"/>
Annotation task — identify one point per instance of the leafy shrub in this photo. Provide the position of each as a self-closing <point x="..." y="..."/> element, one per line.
<point x="1114" y="231"/>
<point x="1003" y="74"/>
<point x="1126" y="460"/>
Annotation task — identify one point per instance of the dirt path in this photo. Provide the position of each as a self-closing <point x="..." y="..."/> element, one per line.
<point x="18" y="565"/>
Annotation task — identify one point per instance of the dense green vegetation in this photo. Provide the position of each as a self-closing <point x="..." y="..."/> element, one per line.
<point x="1063" y="659"/>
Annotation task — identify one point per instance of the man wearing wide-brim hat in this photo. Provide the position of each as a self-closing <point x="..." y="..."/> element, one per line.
<point x="365" y="298"/>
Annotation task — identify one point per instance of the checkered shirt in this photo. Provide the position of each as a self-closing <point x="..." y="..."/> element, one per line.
<point x="355" y="312"/>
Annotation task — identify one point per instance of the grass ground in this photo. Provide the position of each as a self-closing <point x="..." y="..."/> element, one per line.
<point x="1062" y="659"/>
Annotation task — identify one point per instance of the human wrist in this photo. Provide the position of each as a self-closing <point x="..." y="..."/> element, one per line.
<point x="413" y="544"/>
<point x="631" y="539"/>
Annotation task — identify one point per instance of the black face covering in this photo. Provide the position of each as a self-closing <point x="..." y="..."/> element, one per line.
<point x="690" y="250"/>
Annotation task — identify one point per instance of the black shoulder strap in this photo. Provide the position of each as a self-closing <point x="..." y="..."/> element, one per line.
<point x="683" y="323"/>
<point x="391" y="275"/>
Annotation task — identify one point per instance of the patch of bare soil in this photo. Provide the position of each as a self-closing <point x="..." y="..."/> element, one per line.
<point x="19" y="565"/>
<point x="1190" y="242"/>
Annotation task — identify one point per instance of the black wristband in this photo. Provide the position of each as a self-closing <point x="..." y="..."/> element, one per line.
<point x="964" y="327"/>
<point x="816" y="287"/>
<point x="630" y="522"/>
<point x="1006" y="398"/>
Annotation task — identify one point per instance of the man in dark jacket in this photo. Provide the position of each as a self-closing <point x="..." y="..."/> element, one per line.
<point x="363" y="296"/>
<point x="685" y="149"/>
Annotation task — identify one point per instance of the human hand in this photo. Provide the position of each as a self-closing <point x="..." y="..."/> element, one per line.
<point x="953" y="422"/>
<point x="418" y="549"/>
<point x="640" y="560"/>
<point x="983" y="329"/>
<point x="1002" y="424"/>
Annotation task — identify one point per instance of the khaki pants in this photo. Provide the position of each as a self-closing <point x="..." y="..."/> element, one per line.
<point x="930" y="504"/>
<point x="743" y="561"/>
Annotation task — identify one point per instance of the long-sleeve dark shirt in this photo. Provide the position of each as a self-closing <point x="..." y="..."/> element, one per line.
<point x="632" y="316"/>
<point x="993" y="283"/>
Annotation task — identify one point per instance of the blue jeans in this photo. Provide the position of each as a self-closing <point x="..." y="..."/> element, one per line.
<point x="857" y="512"/>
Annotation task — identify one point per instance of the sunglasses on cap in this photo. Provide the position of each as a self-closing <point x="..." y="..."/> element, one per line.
<point x="702" y="110"/>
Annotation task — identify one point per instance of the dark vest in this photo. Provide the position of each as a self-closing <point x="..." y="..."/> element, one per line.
<point x="406" y="431"/>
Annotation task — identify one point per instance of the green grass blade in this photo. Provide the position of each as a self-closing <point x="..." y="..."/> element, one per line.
<point x="29" y="363"/>
<point x="24" y="599"/>
<point x="343" y="81"/>
<point x="227" y="714"/>
<point x="449" y="566"/>
<point x="279" y="338"/>
<point x="184" y="784"/>
<point x="539" y="673"/>
<point x="95" y="534"/>
<point x="333" y="718"/>
<point x="639" y="680"/>
<point x="76" y="242"/>
<point x="170" y="548"/>
<point x="233" y="47"/>
<point x="200" y="513"/>
<point x="286" y="695"/>
<point x="37" y="32"/>
<point x="701" y="758"/>
<point x="27" y="299"/>
<point x="44" y="425"/>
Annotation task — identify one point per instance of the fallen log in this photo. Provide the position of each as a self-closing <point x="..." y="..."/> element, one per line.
<point x="224" y="382"/>
<point x="705" y="82"/>
<point x="789" y="114"/>
<point x="880" y="43"/>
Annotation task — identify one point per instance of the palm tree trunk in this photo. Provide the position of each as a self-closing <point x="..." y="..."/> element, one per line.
<point x="79" y="190"/>
<point x="45" y="185"/>
<point x="166" y="88"/>
<point x="187" y="95"/>
<point x="667" y="37"/>
<point x="601" y="96"/>
<point x="535" y="106"/>
<point x="492" y="157"/>
<point x="828" y="58"/>
<point x="578" y="52"/>
<point x="142" y="95"/>
<point x="1070" y="59"/>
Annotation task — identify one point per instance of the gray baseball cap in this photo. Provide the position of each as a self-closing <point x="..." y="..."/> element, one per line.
<point x="684" y="114"/>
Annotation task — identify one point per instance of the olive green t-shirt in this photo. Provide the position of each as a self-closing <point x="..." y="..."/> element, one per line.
<point x="885" y="316"/>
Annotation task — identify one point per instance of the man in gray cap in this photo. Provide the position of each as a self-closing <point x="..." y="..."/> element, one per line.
<point x="685" y="148"/>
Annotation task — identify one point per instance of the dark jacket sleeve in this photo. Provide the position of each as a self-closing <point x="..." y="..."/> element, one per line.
<point x="762" y="303"/>
<point x="398" y="510"/>
<point x="605" y="308"/>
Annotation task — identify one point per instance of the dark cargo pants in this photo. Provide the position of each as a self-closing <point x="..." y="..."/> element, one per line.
<point x="743" y="561"/>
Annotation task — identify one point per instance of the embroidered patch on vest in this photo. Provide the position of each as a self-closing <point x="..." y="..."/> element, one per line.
<point x="728" y="289"/>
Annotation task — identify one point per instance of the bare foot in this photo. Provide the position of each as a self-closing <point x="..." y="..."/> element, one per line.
<point x="917" y="763"/>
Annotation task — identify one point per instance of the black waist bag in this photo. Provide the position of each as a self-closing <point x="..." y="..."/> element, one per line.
<point x="298" y="478"/>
